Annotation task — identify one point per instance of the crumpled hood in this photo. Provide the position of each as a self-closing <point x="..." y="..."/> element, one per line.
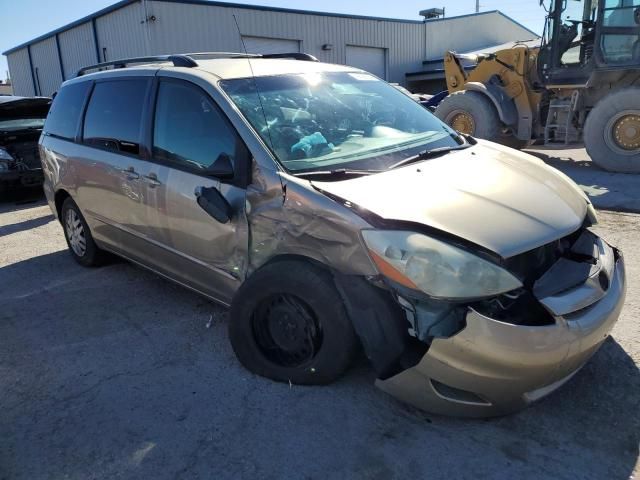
<point x="504" y="200"/>
<point x="12" y="107"/>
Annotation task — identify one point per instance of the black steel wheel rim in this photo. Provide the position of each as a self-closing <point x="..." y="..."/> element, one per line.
<point x="286" y="330"/>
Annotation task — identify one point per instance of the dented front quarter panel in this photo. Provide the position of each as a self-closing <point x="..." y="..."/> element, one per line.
<point x="287" y="216"/>
<point x="507" y="366"/>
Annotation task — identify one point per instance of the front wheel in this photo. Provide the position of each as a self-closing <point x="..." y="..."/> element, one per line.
<point x="471" y="113"/>
<point x="288" y="323"/>
<point x="612" y="132"/>
<point x="474" y="114"/>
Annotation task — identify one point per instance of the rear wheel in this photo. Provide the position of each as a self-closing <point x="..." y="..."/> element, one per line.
<point x="288" y="323"/>
<point x="79" y="239"/>
<point x="612" y="132"/>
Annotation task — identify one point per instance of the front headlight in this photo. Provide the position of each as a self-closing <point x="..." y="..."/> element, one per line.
<point x="4" y="155"/>
<point x="5" y="158"/>
<point x="438" y="269"/>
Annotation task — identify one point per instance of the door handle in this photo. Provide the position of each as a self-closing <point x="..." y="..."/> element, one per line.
<point x="152" y="180"/>
<point x="131" y="173"/>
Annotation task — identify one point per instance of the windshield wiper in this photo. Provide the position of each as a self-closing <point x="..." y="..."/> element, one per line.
<point x="339" y="172"/>
<point x="426" y="154"/>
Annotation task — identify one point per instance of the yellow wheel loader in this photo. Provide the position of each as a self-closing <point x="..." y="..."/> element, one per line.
<point x="580" y="84"/>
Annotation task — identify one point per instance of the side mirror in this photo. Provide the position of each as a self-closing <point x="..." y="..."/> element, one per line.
<point x="213" y="202"/>
<point x="222" y="167"/>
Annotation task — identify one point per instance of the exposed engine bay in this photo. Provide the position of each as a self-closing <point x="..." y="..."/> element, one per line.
<point x="21" y="122"/>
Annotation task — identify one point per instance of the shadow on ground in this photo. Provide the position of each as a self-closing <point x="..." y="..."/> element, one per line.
<point x="21" y="198"/>
<point x="144" y="389"/>
<point x="25" y="225"/>
<point x="609" y="191"/>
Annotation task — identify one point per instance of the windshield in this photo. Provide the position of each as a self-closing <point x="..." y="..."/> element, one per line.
<point x="337" y="120"/>
<point x="21" y="124"/>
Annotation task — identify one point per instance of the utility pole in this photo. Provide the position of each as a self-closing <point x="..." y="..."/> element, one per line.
<point x="477" y="6"/>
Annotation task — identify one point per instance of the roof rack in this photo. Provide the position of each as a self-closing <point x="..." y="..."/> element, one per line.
<point x="178" y="61"/>
<point x="186" y="59"/>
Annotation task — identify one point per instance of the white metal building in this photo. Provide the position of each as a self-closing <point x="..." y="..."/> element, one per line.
<point x="389" y="48"/>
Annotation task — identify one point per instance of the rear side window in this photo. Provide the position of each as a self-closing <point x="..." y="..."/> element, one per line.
<point x="189" y="129"/>
<point x="114" y="115"/>
<point x="65" y="111"/>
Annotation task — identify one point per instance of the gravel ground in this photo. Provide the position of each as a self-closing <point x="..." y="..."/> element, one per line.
<point x="113" y="373"/>
<point x="610" y="191"/>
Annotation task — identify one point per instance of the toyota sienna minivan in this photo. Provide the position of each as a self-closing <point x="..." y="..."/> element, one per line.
<point x="332" y="213"/>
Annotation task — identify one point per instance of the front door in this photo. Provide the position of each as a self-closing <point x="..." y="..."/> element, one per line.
<point x="189" y="134"/>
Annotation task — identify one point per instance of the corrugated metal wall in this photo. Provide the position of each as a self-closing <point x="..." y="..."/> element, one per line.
<point x="159" y="27"/>
<point x="21" y="73"/>
<point x="122" y="34"/>
<point x="46" y="66"/>
<point x="181" y="28"/>
<point x="471" y="33"/>
<point x="77" y="48"/>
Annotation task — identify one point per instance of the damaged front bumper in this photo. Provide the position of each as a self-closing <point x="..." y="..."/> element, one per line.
<point x="492" y="367"/>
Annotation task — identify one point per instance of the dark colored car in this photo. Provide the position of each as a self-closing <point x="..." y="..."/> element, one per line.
<point x="21" y="121"/>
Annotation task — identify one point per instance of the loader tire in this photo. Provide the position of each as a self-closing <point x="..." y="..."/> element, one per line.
<point x="612" y="132"/>
<point x="471" y="113"/>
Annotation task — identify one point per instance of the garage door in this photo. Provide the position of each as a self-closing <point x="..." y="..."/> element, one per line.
<point x="368" y="58"/>
<point x="271" y="45"/>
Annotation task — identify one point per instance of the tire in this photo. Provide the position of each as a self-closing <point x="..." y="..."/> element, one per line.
<point x="485" y="122"/>
<point x="600" y="138"/>
<point x="274" y="307"/>
<point x="78" y="236"/>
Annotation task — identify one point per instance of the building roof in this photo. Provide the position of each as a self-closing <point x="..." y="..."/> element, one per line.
<point x="124" y="3"/>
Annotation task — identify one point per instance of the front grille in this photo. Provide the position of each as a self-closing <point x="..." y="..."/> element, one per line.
<point x="531" y="265"/>
<point x="26" y="155"/>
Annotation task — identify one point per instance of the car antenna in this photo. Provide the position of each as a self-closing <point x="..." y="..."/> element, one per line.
<point x="255" y="82"/>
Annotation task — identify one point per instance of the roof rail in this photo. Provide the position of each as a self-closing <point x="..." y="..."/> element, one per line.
<point x="187" y="60"/>
<point x="222" y="55"/>
<point x="178" y="61"/>
<point x="305" y="57"/>
<point x="293" y="55"/>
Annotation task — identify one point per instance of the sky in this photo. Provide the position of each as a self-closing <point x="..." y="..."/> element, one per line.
<point x="26" y="19"/>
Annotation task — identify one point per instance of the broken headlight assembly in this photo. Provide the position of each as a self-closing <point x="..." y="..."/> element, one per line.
<point x="436" y="268"/>
<point x="5" y="159"/>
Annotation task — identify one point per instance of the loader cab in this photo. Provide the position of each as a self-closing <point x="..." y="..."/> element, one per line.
<point x="584" y="36"/>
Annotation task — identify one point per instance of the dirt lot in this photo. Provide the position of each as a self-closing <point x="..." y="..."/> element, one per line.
<point x="113" y="373"/>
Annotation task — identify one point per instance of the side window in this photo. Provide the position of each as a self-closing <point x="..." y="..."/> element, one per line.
<point x="65" y="111"/>
<point x="114" y="115"/>
<point x="189" y="129"/>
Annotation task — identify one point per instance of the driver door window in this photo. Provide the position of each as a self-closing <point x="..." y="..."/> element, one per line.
<point x="572" y="30"/>
<point x="190" y="132"/>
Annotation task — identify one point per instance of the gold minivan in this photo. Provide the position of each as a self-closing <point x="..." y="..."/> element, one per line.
<point x="334" y="213"/>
